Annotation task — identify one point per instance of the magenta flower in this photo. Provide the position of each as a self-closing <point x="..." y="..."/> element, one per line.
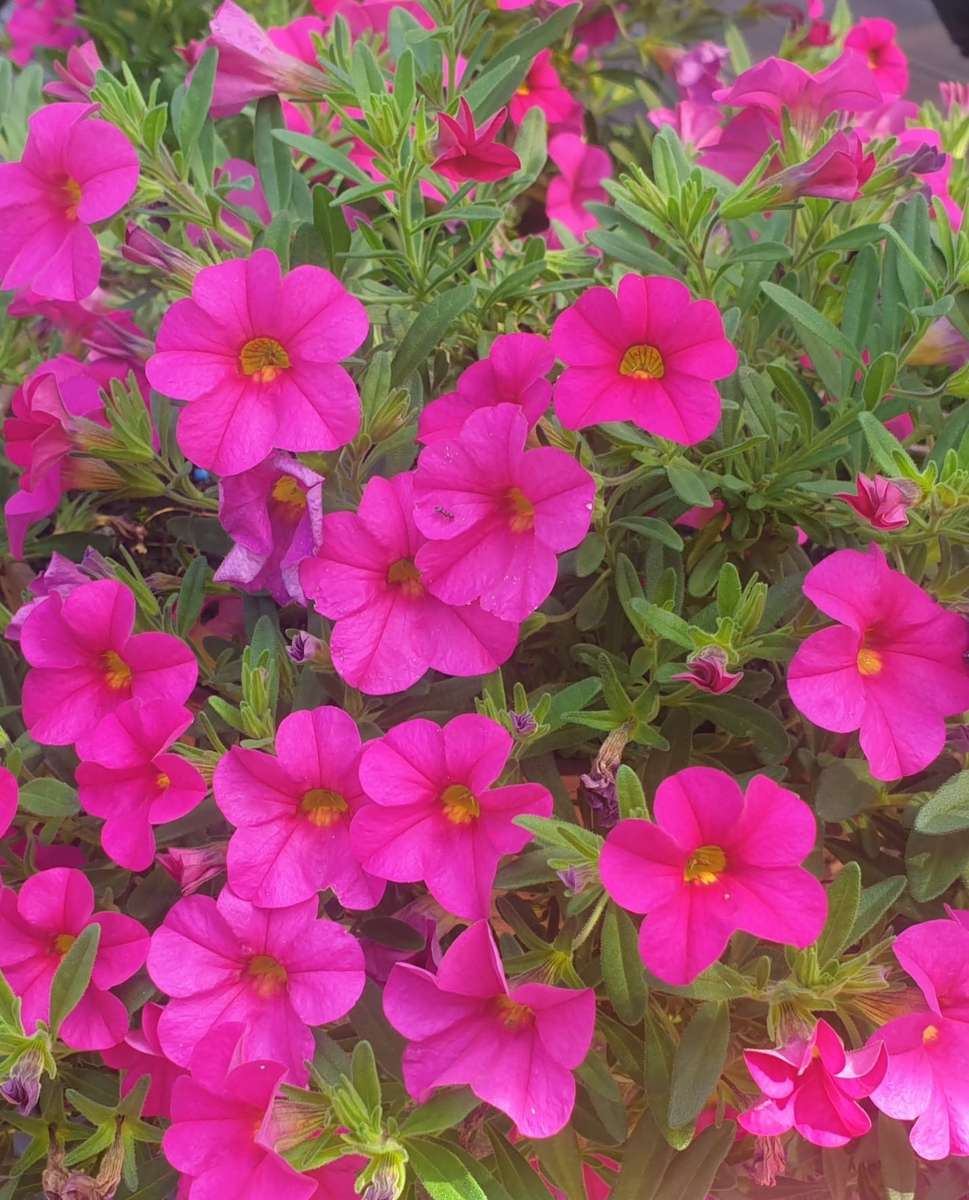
<point x="516" y="1048"/>
<point x="707" y="670"/>
<point x="497" y="515"/>
<point x="292" y="814"/>
<point x="278" y="971"/>
<point x="389" y="629"/>
<point x="140" y="1054"/>
<point x="75" y="79"/>
<point x="740" y="145"/>
<point x="542" y="88"/>
<point x="697" y="71"/>
<point x="435" y="816"/>
<point x="41" y="24"/>
<point x="717" y="860"/>
<point x="873" y="38"/>
<point x="513" y="373"/>
<point x="838" y="171"/>
<point x="466" y="152"/>
<point x="941" y="343"/>
<point x="256" y="354"/>
<point x="74" y="172"/>
<point x="274" y="514"/>
<point x="916" y="141"/>
<point x="646" y="353"/>
<point x="9" y="799"/>
<point x="86" y="663"/>
<point x="879" y="501"/>
<point x="892" y="667"/>
<point x="39" y="925"/>
<point x="195" y="866"/>
<point x="697" y="125"/>
<point x="127" y="778"/>
<point x="582" y="168"/>
<point x="814" y="1086"/>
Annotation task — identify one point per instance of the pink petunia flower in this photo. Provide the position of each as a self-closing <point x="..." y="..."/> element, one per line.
<point x="516" y="1048"/>
<point x="41" y="24"/>
<point x="814" y="1085"/>
<point x="915" y="140"/>
<point x="707" y="670"/>
<point x="741" y="144"/>
<point x="126" y="777"/>
<point x="892" y="667"/>
<point x="717" y="860"/>
<point x="582" y="168"/>
<point x="697" y="125"/>
<point x="86" y="663"/>
<point x="838" y="171"/>
<point x="365" y="15"/>
<point x="435" y="815"/>
<point x="292" y="814"/>
<point x="467" y="152"/>
<point x="278" y="971"/>
<point x="75" y="79"/>
<point x="874" y="40"/>
<point x="140" y="1054"/>
<point x="9" y="799"/>
<point x="389" y="628"/>
<point x="194" y="866"/>
<point x="39" y="925"/>
<point x="74" y="172"/>
<point x="697" y="71"/>
<point x="542" y="88"/>
<point x="881" y="502"/>
<point x="647" y="353"/>
<point x="256" y="355"/>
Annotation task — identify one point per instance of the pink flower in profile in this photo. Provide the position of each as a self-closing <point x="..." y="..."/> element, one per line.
<point x="292" y="813"/>
<point x="75" y="79"/>
<point x="74" y="172"/>
<point x="814" y="1085"/>
<point x="941" y="343"/>
<point x="697" y="125"/>
<point x="513" y="373"/>
<point x="516" y="1048"/>
<point x="838" y="171"/>
<point x="716" y="861"/>
<point x="278" y="971"/>
<point x="582" y="168"/>
<point x="127" y="778"/>
<point x="741" y="144"/>
<point x="874" y="39"/>
<point x="892" y="667"/>
<point x="389" y="628"/>
<point x="542" y="88"/>
<point x="707" y="670"/>
<point x="39" y="925"/>
<point x="86" y="663"/>
<point x="913" y="141"/>
<point x="256" y="354"/>
<point x="647" y="353"/>
<point x="41" y="24"/>
<point x="467" y="152"/>
<point x="497" y="515"/>
<point x="879" y="501"/>
<point x="195" y="866"/>
<point x="365" y="15"/>
<point x="954" y="96"/>
<point x="274" y="514"/>
<point x="140" y="1054"/>
<point x="248" y="195"/>
<point x="9" y="799"/>
<point x="435" y="815"/>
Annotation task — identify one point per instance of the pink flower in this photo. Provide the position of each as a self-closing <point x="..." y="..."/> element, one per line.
<point x="648" y="354"/>
<point x="837" y="171"/>
<point x="389" y="629"/>
<point x="814" y="1086"/>
<point x="292" y="814"/>
<point x="466" y="152"/>
<point x="954" y="95"/>
<point x="9" y="799"/>
<point x="256" y="356"/>
<point x="39" y="925"/>
<point x="435" y="816"/>
<point x="296" y="38"/>
<point x="873" y="38"/>
<point x="195" y="866"/>
<point x="879" y="501"/>
<point x="126" y="777"/>
<point x="274" y="514"/>
<point x="700" y="516"/>
<point x="708" y="672"/>
<point x="698" y="125"/>
<point x="364" y="15"/>
<point x="41" y="24"/>
<point x="717" y="860"/>
<point x="741" y="144"/>
<point x="86" y="663"/>
<point x="516" y="1048"/>
<point x="74" y="172"/>
<point x="513" y="373"/>
<point x="697" y="71"/>
<point x="542" y="88"/>
<point x="892" y="667"/>
<point x="76" y="79"/>
<point x="582" y="169"/>
<point x="941" y="343"/>
<point x="278" y="971"/>
<point x="497" y="515"/>
<point x="141" y="1054"/>
<point x="913" y="140"/>
<point x="252" y="198"/>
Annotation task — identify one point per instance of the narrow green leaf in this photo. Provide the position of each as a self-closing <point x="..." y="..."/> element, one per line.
<point x="629" y="792"/>
<point x="622" y="968"/>
<point x="191" y="595"/>
<point x="194" y="107"/>
<point x="645" y="1158"/>
<point x="698" y="1062"/>
<point x="933" y="863"/>
<point x="662" y="623"/>
<point x="272" y="157"/>
<point x="363" y="1073"/>
<point x="948" y="810"/>
<point x="744" y="719"/>
<point x="73" y="976"/>
<point x="444" y="1110"/>
<point x="875" y="902"/>
<point x="514" y="1171"/>
<point x="652" y="527"/>
<point x="560" y="1158"/>
<point x="691" y="1174"/>
<point x="688" y="484"/>
<point x="844" y="897"/>
<point x="808" y="318"/>
<point x="441" y="1173"/>
<point x="428" y="330"/>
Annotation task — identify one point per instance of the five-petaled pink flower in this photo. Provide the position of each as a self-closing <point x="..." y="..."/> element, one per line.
<point x="40" y="24"/>
<point x="582" y="168"/>
<point x="716" y="861"/>
<point x="516" y="1048"/>
<point x="466" y="152"/>
<point x="892" y="668"/>
<point x="542" y="88"/>
<point x="874" y="39"/>
<point x="256" y="354"/>
<point x="882" y="502"/>
<point x="140" y="1054"/>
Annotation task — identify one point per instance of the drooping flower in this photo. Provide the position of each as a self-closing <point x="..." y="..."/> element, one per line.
<point x="874" y="39"/>
<point x="647" y="353"/>
<point x="389" y="628"/>
<point x="292" y="813"/>
<point x="74" y="172"/>
<point x="9" y="799"/>
<point x="75" y="79"/>
<point x="891" y="668"/>
<point x="716" y="861"/>
<point x="707" y="670"/>
<point x="913" y="142"/>
<point x="256" y="354"/>
<point x="85" y="662"/>
<point x="41" y="24"/>
<point x="542" y="88"/>
<point x="195" y="866"/>
<point x="516" y="1048"/>
<point x="582" y="168"/>
<point x="38" y="925"/>
<point x="435" y="815"/>
<point x="838" y="171"/>
<point x="884" y="504"/>
<point x="467" y="152"/>
<point x="140" y="1054"/>
<point x="278" y="971"/>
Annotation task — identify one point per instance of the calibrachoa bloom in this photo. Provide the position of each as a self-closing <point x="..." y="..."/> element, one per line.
<point x="516" y="1048"/>
<point x="256" y="354"/>
<point x="497" y="515"/>
<point x="917" y="141"/>
<point x="38" y="925"/>
<point x="883" y="503"/>
<point x="707" y="670"/>
<point x="41" y="24"/>
<point x="435" y="815"/>
<point x="647" y="353"/>
<point x="141" y="1054"/>
<point x="277" y="971"/>
<point x="542" y="88"/>
<point x="193" y="867"/>
<point x="813" y="1085"/>
<point x="9" y="795"/>
<point x="717" y="860"/>
<point x="836" y="172"/>
<point x="74" y="171"/>
<point x="582" y="168"/>
<point x="892" y="667"/>
<point x="467" y="152"/>
<point x="86" y="663"/>
<point x="873" y="38"/>
<point x="292" y="813"/>
<point x="75" y="79"/>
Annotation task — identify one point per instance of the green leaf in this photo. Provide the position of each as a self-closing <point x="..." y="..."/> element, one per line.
<point x="327" y="156"/>
<point x="441" y="1173"/>
<point x="531" y="146"/>
<point x="194" y="107"/>
<point x="698" y="1062"/>
<point x="948" y="810"/>
<point x="933" y="864"/>
<point x="273" y="159"/>
<point x="842" y="793"/>
<point x="398" y="935"/>
<point x="688" y="484"/>
<point x="645" y="1158"/>
<point x="896" y="1157"/>
<point x="875" y="902"/>
<point x="629" y="792"/>
<point x="48" y="798"/>
<point x="514" y="1171"/>
<point x="73" y="976"/>
<point x="886" y="449"/>
<point x="428" y="330"/>
<point x="363" y="1073"/>
<point x="589" y="556"/>
<point x="622" y="968"/>
<point x="444" y="1110"/>
<point x="191" y="595"/>
<point x="808" y="319"/>
<point x="661" y="623"/>
<point x="10" y="1006"/>
<point x="844" y="896"/>
<point x="879" y="378"/>
<point x="744" y="719"/>
<point x="634" y="252"/>
<point x="559" y="1156"/>
<point x="652" y="527"/>
<point x="691" y="1174"/>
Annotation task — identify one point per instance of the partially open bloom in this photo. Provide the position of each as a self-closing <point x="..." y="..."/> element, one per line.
<point x="75" y="79"/>
<point x="717" y="860"/>
<point x="916" y="141"/>
<point x="516" y="1048"/>
<point x="466" y="152"/>
<point x="435" y="815"/>
<point x="195" y="866"/>
<point x="884" y="504"/>
<point x="582" y="168"/>
<point x="707" y="670"/>
<point x="141" y="1054"/>
<point x="41" y="24"/>
<point x="837" y="171"/>
<point x="941" y="343"/>
<point x="892" y="667"/>
<point x="542" y="88"/>
<point x="9" y="794"/>
<point x="874" y="39"/>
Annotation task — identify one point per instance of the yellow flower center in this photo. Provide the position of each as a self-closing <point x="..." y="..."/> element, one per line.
<point x="705" y="865"/>
<point x="460" y="805"/>
<point x="263" y="359"/>
<point x="869" y="662"/>
<point x="323" y="808"/>
<point x="642" y="362"/>
<point x="521" y="511"/>
<point x="523" y="90"/>
<point x="406" y="576"/>
<point x="269" y="976"/>
<point x="63" y="942"/>
<point x="162" y="781"/>
<point x="72" y="193"/>
<point x="512" y="1014"/>
<point x="930" y="1034"/>
<point x="288" y="493"/>
<point x="117" y="673"/>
